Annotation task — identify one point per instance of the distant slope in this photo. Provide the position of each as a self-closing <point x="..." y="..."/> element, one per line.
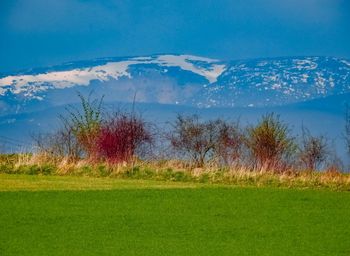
<point x="180" y="80"/>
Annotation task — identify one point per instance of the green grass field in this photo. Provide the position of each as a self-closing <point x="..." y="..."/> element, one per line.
<point x="48" y="215"/>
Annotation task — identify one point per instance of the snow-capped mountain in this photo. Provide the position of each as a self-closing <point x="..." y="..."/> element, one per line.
<point x="279" y="81"/>
<point x="180" y="80"/>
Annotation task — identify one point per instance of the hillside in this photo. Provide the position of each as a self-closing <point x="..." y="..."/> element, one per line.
<point x="179" y="80"/>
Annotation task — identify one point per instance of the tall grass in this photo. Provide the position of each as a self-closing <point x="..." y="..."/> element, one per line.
<point x="171" y="170"/>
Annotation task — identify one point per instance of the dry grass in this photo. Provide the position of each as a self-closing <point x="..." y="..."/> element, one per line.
<point x="175" y="170"/>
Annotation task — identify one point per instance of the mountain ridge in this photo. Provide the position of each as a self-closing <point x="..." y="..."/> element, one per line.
<point x="179" y="79"/>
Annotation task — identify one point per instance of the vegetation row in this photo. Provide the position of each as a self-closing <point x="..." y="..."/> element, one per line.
<point x="93" y="142"/>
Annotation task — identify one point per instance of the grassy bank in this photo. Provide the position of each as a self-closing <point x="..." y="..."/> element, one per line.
<point x="135" y="217"/>
<point x="174" y="171"/>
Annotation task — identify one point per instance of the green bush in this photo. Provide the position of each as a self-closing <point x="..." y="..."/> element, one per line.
<point x="270" y="143"/>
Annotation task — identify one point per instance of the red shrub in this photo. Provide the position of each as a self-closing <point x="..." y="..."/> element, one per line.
<point x="120" y="138"/>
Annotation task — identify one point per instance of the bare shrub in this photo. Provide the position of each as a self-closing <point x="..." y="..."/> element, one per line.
<point x="313" y="151"/>
<point x="84" y="133"/>
<point x="60" y="144"/>
<point x="270" y="143"/>
<point x="122" y="137"/>
<point x="229" y="143"/>
<point x="191" y="138"/>
<point x="201" y="141"/>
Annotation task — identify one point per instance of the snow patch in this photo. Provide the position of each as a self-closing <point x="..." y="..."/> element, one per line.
<point x="346" y="62"/>
<point x="276" y="86"/>
<point x="211" y="74"/>
<point x="305" y="64"/>
<point x="66" y="79"/>
<point x="83" y="76"/>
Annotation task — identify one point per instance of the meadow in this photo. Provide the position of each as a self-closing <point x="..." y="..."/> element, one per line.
<point x="50" y="215"/>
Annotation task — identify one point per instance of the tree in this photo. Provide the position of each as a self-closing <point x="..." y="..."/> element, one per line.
<point x="313" y="150"/>
<point x="201" y="141"/>
<point x="192" y="138"/>
<point x="229" y="142"/>
<point x="269" y="142"/>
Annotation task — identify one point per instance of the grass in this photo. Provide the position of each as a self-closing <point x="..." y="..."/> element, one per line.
<point x="20" y="182"/>
<point x="50" y="215"/>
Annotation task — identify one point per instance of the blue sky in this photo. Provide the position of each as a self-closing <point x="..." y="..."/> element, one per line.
<point x="36" y="33"/>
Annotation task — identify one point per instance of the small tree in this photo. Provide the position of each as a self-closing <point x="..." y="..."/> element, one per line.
<point x="229" y="142"/>
<point x="313" y="150"/>
<point x="86" y="123"/>
<point x="120" y="138"/>
<point x="192" y="138"/>
<point x="269" y="142"/>
<point x="202" y="141"/>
